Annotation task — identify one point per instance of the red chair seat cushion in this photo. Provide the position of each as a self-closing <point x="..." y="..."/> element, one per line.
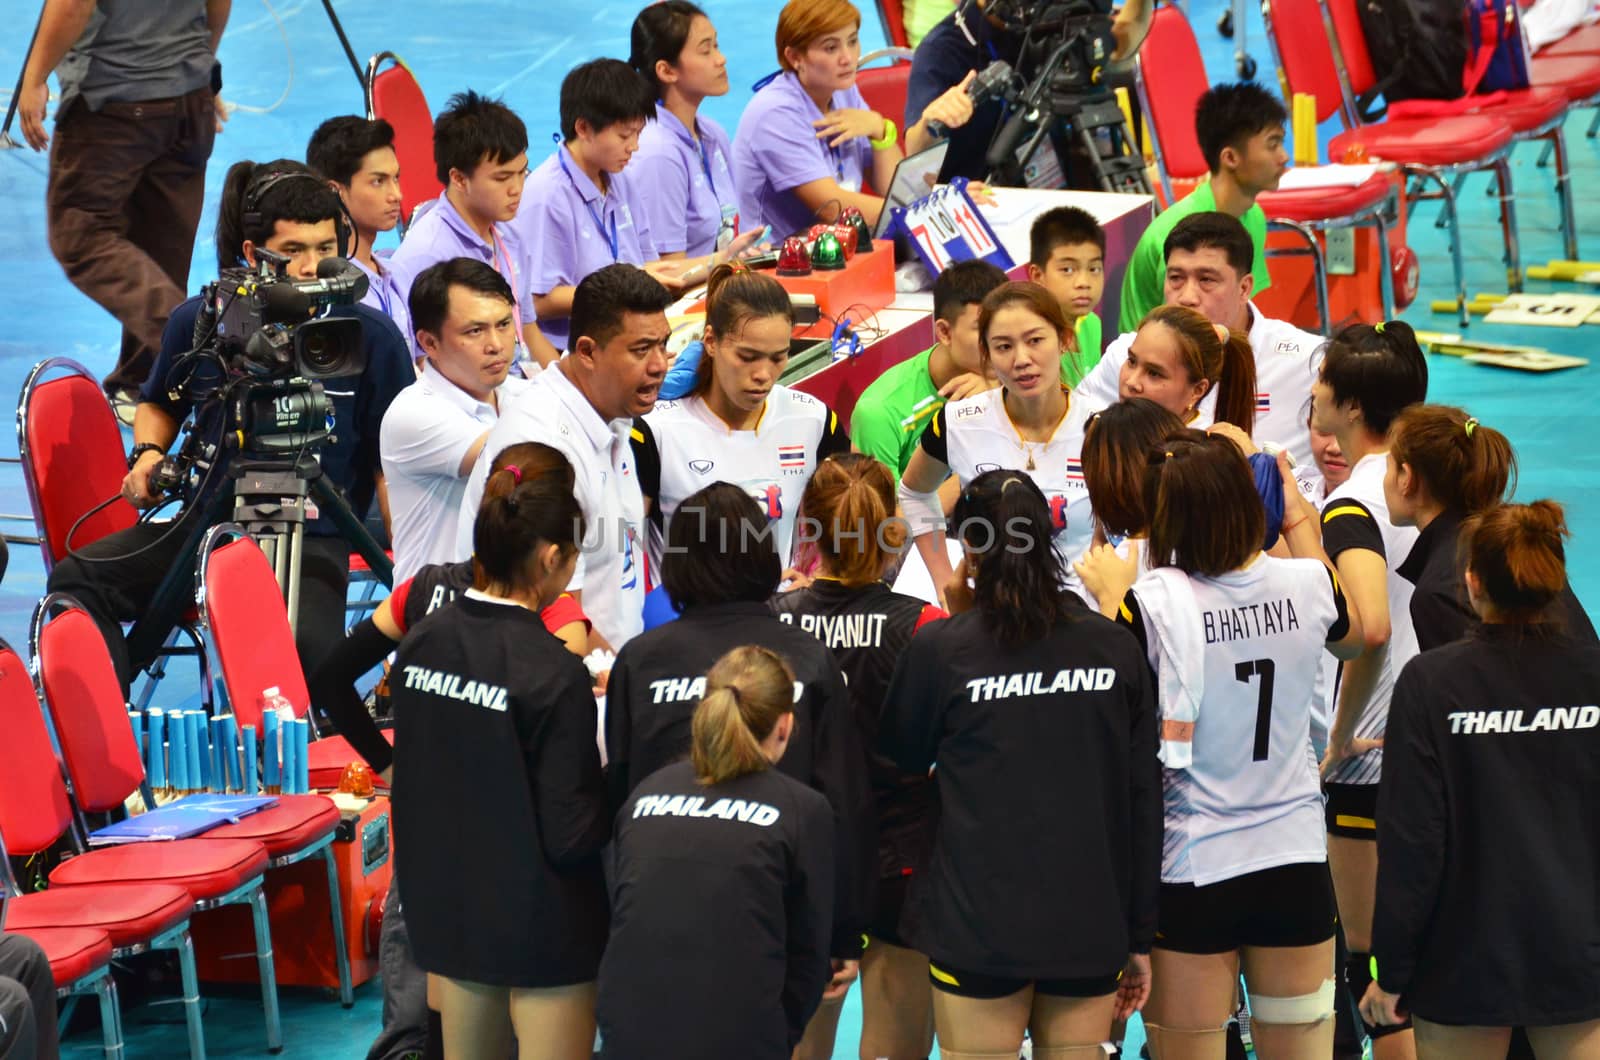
<point x="1576" y="75"/>
<point x="1585" y="40"/>
<point x="293" y="824"/>
<point x="1427" y="142"/>
<point x="73" y="952"/>
<point x="130" y="914"/>
<point x="1524" y="110"/>
<point x="205" y="869"/>
<point x="327" y="757"/>
<point x="1317" y="204"/>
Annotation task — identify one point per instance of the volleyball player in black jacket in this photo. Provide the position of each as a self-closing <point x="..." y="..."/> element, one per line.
<point x="720" y="568"/>
<point x="1488" y="824"/>
<point x="722" y="886"/>
<point x="1445" y="467"/>
<point x="1038" y="908"/>
<point x="847" y="512"/>
<point x="497" y="769"/>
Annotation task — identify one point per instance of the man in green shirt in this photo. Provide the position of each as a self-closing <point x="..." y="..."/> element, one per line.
<point x="1240" y="129"/>
<point x="892" y="413"/>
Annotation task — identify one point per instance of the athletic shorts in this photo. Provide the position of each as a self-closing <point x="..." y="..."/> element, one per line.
<point x="1352" y="810"/>
<point x="1289" y="905"/>
<point x="988" y="987"/>
<point x="892" y="893"/>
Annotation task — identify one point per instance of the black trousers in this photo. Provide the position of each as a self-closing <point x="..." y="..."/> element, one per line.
<point x="27" y="1002"/>
<point x="115" y="577"/>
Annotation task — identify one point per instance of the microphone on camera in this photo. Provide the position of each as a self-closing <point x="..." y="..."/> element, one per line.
<point x="991" y="83"/>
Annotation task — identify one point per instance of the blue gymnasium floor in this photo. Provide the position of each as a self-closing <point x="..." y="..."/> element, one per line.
<point x="450" y="45"/>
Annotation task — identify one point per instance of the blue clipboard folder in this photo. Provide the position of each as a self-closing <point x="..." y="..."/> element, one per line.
<point x="188" y="816"/>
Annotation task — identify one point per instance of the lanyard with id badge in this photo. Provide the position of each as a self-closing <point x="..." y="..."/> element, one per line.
<point x="728" y="224"/>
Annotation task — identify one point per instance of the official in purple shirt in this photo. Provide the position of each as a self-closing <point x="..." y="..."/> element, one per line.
<point x="356" y="156"/>
<point x="685" y="162"/>
<point x="480" y="151"/>
<point x="581" y="212"/>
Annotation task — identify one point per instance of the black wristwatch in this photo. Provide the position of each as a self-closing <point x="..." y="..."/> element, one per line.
<point x="141" y="449"/>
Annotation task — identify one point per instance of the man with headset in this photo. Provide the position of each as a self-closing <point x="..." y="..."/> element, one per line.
<point x="283" y="208"/>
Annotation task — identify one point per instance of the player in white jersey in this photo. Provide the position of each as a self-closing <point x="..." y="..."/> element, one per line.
<point x="1234" y="637"/>
<point x="1209" y="257"/>
<point x="739" y="425"/>
<point x="1116" y="451"/>
<point x="1031" y="424"/>
<point x="1369" y="374"/>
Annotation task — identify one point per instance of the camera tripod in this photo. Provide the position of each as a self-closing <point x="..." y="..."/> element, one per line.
<point x="269" y="501"/>
<point x="1049" y="112"/>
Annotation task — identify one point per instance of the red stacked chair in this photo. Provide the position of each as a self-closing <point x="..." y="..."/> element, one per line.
<point x="1436" y="149"/>
<point x="1169" y="102"/>
<point x="77" y="685"/>
<point x="80" y="964"/>
<point x="35" y="812"/>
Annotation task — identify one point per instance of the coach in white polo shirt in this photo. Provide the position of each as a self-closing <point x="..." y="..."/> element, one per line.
<point x="1209" y="258"/>
<point x="435" y="429"/>
<point x="585" y="405"/>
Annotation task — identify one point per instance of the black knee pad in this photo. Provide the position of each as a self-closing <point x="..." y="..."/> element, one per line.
<point x="1357" y="977"/>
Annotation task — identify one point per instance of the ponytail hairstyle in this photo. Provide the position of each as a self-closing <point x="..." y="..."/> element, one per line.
<point x="747" y="691"/>
<point x="1004" y="522"/>
<point x="523" y="508"/>
<point x="659" y="35"/>
<point x="1206" y="517"/>
<point x="734" y="296"/>
<point x="1030" y="296"/>
<point x="850" y="503"/>
<point x="256" y="197"/>
<point x="1516" y="552"/>
<point x="1464" y="466"/>
<point x="1377" y="366"/>
<point x="1229" y="366"/>
<point x="1116" y="450"/>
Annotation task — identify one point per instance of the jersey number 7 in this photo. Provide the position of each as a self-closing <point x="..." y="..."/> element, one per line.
<point x="1263" y="669"/>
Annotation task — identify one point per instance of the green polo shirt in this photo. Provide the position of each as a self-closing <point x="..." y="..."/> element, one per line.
<point x="1074" y="366"/>
<point x="1144" y="284"/>
<point x="891" y="414"/>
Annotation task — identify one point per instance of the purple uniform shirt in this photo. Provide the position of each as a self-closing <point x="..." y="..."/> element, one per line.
<point x="776" y="150"/>
<point x="571" y="229"/>
<point x="441" y="233"/>
<point x="384" y="295"/>
<point x="687" y="185"/>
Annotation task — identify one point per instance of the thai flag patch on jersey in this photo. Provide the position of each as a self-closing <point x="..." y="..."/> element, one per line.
<point x="791" y="456"/>
<point x="1263" y="403"/>
<point x="1074" y="469"/>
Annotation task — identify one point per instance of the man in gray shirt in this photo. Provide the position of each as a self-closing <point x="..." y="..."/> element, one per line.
<point x="133" y="132"/>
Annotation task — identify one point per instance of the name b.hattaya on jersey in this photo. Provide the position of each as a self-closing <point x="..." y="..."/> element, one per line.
<point x="1039" y="683"/>
<point x="1546" y="719"/>
<point x="456" y="687"/>
<point x="1249" y="620"/>
<point x="758" y="813"/>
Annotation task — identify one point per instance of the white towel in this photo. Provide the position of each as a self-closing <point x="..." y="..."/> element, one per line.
<point x="1177" y="651"/>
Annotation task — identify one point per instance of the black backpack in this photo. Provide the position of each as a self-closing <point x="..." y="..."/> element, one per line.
<point x="1418" y="50"/>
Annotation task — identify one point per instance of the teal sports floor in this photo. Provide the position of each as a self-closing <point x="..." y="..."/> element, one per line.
<point x="288" y="61"/>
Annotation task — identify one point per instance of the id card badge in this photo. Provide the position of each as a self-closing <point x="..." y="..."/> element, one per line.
<point x="728" y="227"/>
<point x="851" y="185"/>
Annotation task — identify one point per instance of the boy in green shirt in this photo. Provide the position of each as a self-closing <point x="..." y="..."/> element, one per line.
<point x="1240" y="129"/>
<point x="1067" y="257"/>
<point x="892" y="412"/>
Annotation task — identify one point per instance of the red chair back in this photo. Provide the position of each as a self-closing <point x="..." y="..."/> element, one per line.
<point x="394" y="95"/>
<point x="893" y="16"/>
<point x="80" y="689"/>
<point x="34" y="809"/>
<point x="1353" y="46"/>
<point x="249" y="627"/>
<point x="72" y="456"/>
<point x="885" y="89"/>
<point x="1304" y="53"/>
<point x="1172" y="54"/>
